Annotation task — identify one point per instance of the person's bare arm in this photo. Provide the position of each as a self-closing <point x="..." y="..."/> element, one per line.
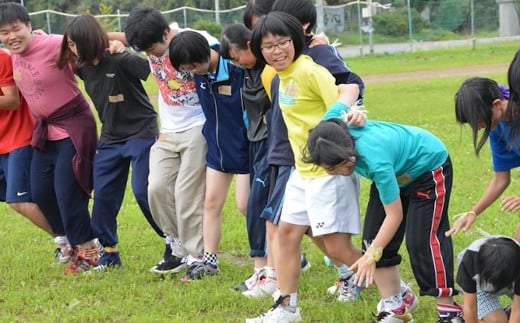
<point x="11" y="99"/>
<point x="515" y="310"/>
<point x="470" y="308"/>
<point x="117" y="35"/>
<point x="496" y="187"/>
<point x="366" y="265"/>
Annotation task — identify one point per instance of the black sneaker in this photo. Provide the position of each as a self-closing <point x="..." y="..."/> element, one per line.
<point x="172" y="265"/>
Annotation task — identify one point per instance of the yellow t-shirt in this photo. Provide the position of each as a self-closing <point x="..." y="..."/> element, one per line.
<point x="267" y="77"/>
<point x="306" y="91"/>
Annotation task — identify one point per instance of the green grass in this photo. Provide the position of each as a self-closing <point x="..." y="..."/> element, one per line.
<point x="502" y="52"/>
<point x="33" y="288"/>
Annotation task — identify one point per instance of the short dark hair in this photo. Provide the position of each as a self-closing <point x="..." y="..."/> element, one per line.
<point x="329" y="143"/>
<point x="90" y="38"/>
<point x="277" y="24"/>
<point x="188" y="47"/>
<point x="144" y="27"/>
<point x="303" y="10"/>
<point x="498" y="260"/>
<point x="473" y="105"/>
<point x="11" y="12"/>
<point x="256" y="8"/>
<point x="234" y="35"/>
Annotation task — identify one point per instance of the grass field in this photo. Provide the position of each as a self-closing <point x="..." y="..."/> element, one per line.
<point x="33" y="288"/>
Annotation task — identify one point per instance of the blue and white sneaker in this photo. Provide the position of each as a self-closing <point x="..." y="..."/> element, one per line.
<point x="347" y="291"/>
<point x="108" y="260"/>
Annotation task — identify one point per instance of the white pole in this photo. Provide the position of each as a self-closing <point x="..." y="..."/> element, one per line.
<point x="217" y="13"/>
<point x="319" y="11"/>
<point x="410" y="25"/>
<point x="370" y="30"/>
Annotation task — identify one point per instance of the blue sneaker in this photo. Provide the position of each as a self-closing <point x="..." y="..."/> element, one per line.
<point x="200" y="269"/>
<point x="108" y="260"/>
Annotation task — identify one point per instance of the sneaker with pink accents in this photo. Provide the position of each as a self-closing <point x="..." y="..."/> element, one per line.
<point x="265" y="287"/>
<point x="388" y="313"/>
<point x="410" y="300"/>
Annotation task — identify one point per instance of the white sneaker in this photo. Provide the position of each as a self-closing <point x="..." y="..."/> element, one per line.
<point x="345" y="287"/>
<point x="63" y="251"/>
<point x="276" y="295"/>
<point x="334" y="288"/>
<point x="348" y="291"/>
<point x="251" y="282"/>
<point x="277" y="315"/>
<point x="263" y="288"/>
<point x="410" y="300"/>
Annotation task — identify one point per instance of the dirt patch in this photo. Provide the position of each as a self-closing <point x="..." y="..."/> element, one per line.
<point x="477" y="70"/>
<point x="468" y="71"/>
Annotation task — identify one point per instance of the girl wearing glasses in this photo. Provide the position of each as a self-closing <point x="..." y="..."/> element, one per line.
<point x="327" y="205"/>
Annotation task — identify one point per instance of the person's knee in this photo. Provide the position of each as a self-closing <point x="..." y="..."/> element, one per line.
<point x="289" y="234"/>
<point x="18" y="207"/>
<point x="242" y="208"/>
<point x="496" y="316"/>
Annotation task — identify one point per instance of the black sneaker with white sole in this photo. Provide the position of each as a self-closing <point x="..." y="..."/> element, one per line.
<point x="172" y="265"/>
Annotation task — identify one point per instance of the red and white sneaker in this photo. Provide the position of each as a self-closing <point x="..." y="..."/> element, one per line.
<point x="82" y="260"/>
<point x="410" y="300"/>
<point x="265" y="287"/>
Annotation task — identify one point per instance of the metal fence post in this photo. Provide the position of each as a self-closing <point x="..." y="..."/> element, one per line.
<point x="119" y="21"/>
<point x="217" y="13"/>
<point x="319" y="18"/>
<point x="360" y="29"/>
<point x="370" y="29"/>
<point x="48" y="23"/>
<point x="410" y="24"/>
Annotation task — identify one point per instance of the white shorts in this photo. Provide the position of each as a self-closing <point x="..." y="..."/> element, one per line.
<point x="327" y="204"/>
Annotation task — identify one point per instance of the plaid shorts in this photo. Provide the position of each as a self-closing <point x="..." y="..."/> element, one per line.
<point x="486" y="303"/>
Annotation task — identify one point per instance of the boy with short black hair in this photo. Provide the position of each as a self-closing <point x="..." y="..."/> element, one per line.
<point x="488" y="268"/>
<point x="177" y="159"/>
<point x="219" y="86"/>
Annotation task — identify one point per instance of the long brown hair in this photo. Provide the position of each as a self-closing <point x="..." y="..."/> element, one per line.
<point x="91" y="42"/>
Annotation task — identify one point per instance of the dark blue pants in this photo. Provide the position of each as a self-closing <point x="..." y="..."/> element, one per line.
<point x="111" y="167"/>
<point x="260" y="174"/>
<point x="57" y="192"/>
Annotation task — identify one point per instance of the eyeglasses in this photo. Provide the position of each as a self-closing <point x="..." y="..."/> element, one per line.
<point x="284" y="44"/>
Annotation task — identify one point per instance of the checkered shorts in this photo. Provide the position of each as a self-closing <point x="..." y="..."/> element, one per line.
<point x="486" y="303"/>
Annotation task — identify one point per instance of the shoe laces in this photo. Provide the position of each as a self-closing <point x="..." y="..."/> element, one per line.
<point x="278" y="302"/>
<point x="255" y="278"/>
<point x="91" y="255"/>
<point x="79" y="264"/>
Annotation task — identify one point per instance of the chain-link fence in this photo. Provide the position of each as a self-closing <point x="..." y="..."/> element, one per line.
<point x="352" y="24"/>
